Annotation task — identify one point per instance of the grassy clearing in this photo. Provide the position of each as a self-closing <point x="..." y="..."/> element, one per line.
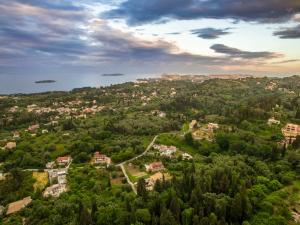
<point x="135" y="173"/>
<point x="41" y="180"/>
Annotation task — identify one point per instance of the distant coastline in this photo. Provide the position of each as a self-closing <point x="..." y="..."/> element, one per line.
<point x="45" y="81"/>
<point x="112" y="74"/>
<point x="26" y="84"/>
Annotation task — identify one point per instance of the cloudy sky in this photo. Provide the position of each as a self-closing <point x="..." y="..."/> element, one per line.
<point x="150" y="36"/>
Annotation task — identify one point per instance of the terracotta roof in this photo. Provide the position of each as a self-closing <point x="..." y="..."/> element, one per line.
<point x="18" y="205"/>
<point x="156" y="165"/>
<point x="63" y="158"/>
<point x="156" y="176"/>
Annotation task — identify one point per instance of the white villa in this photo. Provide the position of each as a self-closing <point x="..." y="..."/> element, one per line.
<point x="165" y="150"/>
<point x="186" y="156"/>
<point x="213" y="126"/>
<point x="55" y="190"/>
<point x="272" y="121"/>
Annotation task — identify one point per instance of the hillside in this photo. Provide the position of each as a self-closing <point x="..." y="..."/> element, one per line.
<point x="197" y="152"/>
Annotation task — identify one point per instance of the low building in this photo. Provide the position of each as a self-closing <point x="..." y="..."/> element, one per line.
<point x="101" y="159"/>
<point x="213" y="126"/>
<point x="16" y="135"/>
<point x="10" y="145"/>
<point x="18" y="205"/>
<point x="290" y="132"/>
<point x="193" y="124"/>
<point x="165" y="150"/>
<point x="88" y="111"/>
<point x="271" y="86"/>
<point x="186" y="156"/>
<point x="162" y="114"/>
<point x="14" y="109"/>
<point x="64" y="160"/>
<point x="33" y="128"/>
<point x="55" y="190"/>
<point x="50" y="165"/>
<point x="155" y="167"/>
<point x="272" y="121"/>
<point x="56" y="173"/>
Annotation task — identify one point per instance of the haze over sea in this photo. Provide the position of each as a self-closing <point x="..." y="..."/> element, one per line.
<point x="13" y="84"/>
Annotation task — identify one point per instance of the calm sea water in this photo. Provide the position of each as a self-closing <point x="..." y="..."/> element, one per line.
<point x="12" y="84"/>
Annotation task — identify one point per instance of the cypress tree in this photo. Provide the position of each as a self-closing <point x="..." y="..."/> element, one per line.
<point x="84" y="216"/>
<point x="166" y="218"/>
<point x="141" y="189"/>
<point x="175" y="208"/>
<point x="94" y="211"/>
<point x="297" y="116"/>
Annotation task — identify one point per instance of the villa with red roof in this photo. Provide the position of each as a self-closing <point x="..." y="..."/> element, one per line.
<point x="155" y="167"/>
<point x="99" y="158"/>
<point x="64" y="160"/>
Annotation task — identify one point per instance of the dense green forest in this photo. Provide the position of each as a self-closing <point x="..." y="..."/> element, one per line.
<point x="245" y="173"/>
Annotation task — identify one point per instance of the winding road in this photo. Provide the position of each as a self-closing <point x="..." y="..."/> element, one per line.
<point x="127" y="178"/>
<point x="121" y="165"/>
<point x="130" y="160"/>
<point x="142" y="154"/>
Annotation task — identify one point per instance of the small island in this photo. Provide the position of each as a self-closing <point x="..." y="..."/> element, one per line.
<point x="112" y="74"/>
<point x="45" y="81"/>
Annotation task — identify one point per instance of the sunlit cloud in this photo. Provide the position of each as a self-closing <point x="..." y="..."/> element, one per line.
<point x="89" y="35"/>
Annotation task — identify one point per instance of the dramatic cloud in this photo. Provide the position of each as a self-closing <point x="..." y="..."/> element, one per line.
<point x="237" y="53"/>
<point x="47" y="4"/>
<point x="113" y="45"/>
<point x="210" y="33"/>
<point x="144" y="11"/>
<point x="28" y="29"/>
<point x="33" y="36"/>
<point x="62" y="35"/>
<point x="289" y="33"/>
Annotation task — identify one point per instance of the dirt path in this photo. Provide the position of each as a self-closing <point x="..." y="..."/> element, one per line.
<point x="127" y="178"/>
<point x="130" y="160"/>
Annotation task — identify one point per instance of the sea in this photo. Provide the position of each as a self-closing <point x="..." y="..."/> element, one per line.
<point x="25" y="84"/>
